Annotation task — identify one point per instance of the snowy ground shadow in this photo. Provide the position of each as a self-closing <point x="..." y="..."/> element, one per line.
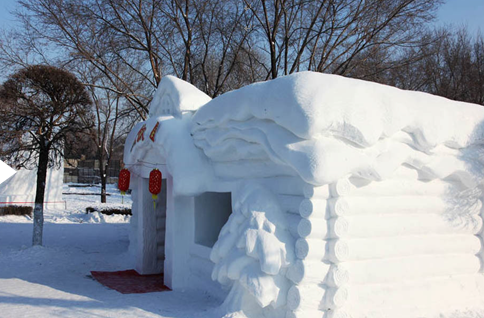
<point x="55" y="281"/>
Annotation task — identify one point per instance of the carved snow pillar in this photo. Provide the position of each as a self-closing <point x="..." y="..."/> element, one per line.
<point x="179" y="237"/>
<point x="146" y="260"/>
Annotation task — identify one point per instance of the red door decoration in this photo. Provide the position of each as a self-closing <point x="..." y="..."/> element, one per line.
<point x="139" y="136"/>
<point x="155" y="184"/>
<point x="153" y="132"/>
<point x="123" y="182"/>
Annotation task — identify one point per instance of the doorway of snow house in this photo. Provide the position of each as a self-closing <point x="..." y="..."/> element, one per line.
<point x="212" y="210"/>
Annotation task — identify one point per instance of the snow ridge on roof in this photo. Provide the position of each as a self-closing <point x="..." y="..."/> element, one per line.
<point x="175" y="96"/>
<point x="325" y="127"/>
<point x="312" y="104"/>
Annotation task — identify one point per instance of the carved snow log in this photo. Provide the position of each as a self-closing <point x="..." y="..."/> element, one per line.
<point x="293" y="221"/>
<point x="335" y="298"/>
<point x="322" y="229"/>
<point x="314" y="208"/>
<point x="311" y="191"/>
<point x="337" y="250"/>
<point x="338" y="276"/>
<point x="409" y="268"/>
<point x="340" y="188"/>
<point x="305" y="296"/>
<point x="343" y="250"/>
<point x="311" y="249"/>
<point x="290" y="203"/>
<point x="337" y="227"/>
<point x="397" y="225"/>
<point x="315" y="228"/>
<point x="422" y="293"/>
<point x="314" y="296"/>
<point x="339" y="207"/>
<point x="402" y="187"/>
<point x="401" y="205"/>
<point x="308" y="272"/>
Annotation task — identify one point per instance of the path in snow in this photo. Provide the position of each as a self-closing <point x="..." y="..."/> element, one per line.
<point x="54" y="281"/>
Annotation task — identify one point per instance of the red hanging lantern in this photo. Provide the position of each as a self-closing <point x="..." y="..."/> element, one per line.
<point x="155" y="183"/>
<point x="123" y="181"/>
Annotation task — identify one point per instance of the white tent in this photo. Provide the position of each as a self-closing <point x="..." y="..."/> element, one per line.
<point x="5" y="172"/>
<point x="20" y="188"/>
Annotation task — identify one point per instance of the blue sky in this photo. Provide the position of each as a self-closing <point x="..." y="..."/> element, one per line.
<point x="468" y="13"/>
<point x="458" y="12"/>
<point x="6" y="6"/>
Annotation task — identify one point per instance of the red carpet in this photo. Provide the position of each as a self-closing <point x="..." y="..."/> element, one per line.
<point x="130" y="282"/>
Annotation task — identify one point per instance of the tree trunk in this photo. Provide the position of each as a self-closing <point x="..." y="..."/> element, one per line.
<point x="39" y="197"/>
<point x="103" y="170"/>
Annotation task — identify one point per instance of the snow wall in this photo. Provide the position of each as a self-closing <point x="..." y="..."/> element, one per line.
<point x="20" y="188"/>
<point x="350" y="198"/>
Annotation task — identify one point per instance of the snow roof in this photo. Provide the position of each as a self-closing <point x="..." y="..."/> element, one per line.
<point x="321" y="127"/>
<point x="310" y="105"/>
<point x="175" y="96"/>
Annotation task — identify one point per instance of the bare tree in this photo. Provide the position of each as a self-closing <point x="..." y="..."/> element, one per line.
<point x="451" y="65"/>
<point x="334" y="35"/>
<point x="113" y="120"/>
<point x="456" y="70"/>
<point x="39" y="106"/>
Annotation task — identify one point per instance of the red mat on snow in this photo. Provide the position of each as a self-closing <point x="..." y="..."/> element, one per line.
<point x="130" y="282"/>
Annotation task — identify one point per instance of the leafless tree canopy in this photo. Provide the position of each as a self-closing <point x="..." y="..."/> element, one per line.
<point x="39" y="105"/>
<point x="450" y="63"/>
<point x="220" y="45"/>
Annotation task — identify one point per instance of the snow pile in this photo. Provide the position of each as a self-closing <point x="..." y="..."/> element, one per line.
<point x="96" y="217"/>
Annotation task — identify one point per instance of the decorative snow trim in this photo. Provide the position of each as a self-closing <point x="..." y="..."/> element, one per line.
<point x="253" y="251"/>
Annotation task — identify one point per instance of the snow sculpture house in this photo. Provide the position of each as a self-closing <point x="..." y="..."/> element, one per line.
<point x="313" y="195"/>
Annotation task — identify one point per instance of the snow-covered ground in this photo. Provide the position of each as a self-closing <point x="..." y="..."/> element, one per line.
<point x="54" y="280"/>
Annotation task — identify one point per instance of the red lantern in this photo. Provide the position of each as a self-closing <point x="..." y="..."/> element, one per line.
<point x="155" y="185"/>
<point x="123" y="181"/>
